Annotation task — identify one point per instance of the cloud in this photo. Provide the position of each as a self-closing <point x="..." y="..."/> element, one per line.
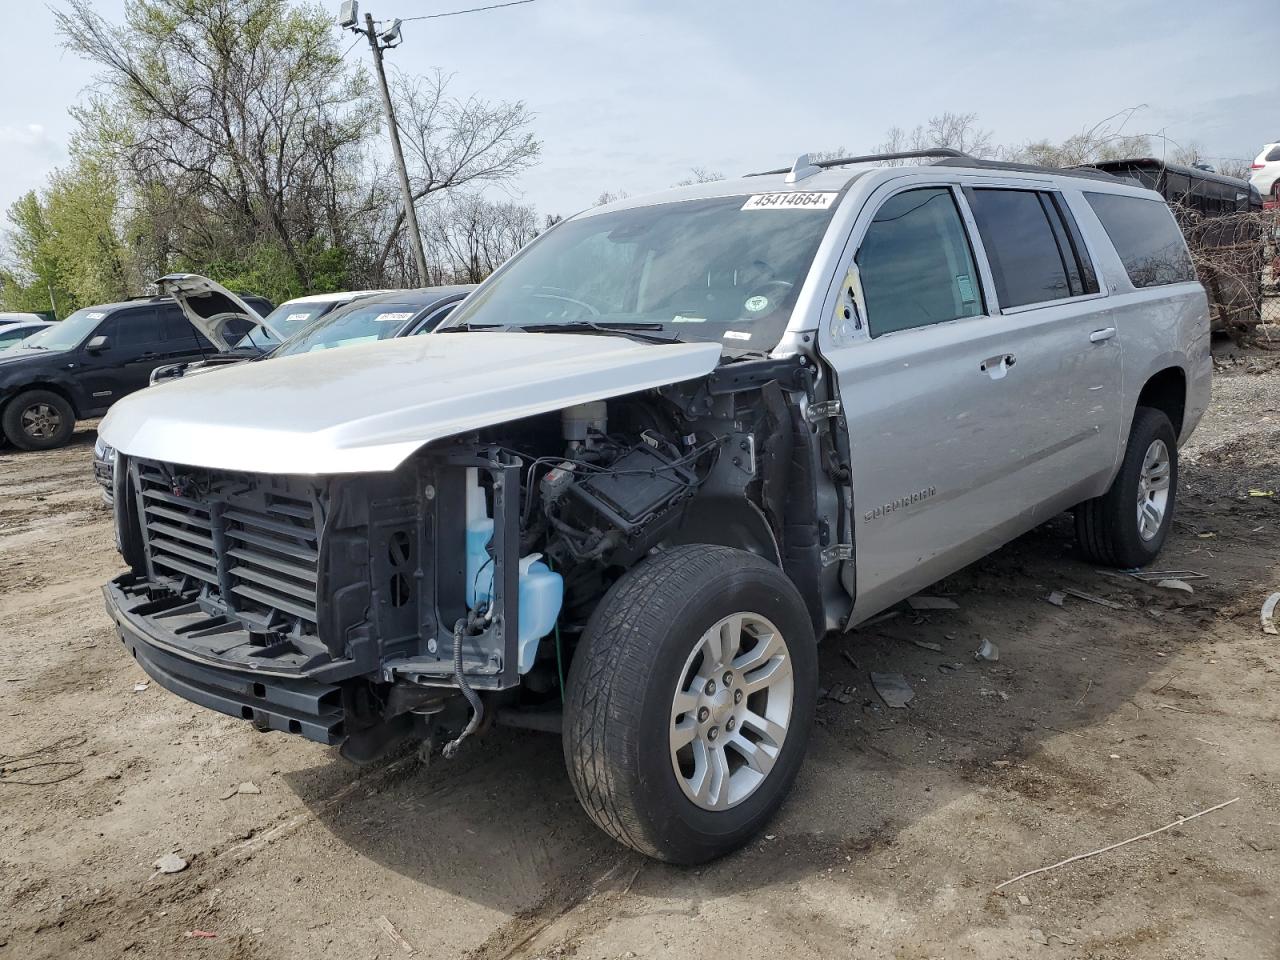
<point x="32" y="136"/>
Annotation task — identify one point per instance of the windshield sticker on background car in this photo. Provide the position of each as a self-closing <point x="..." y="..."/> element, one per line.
<point x="789" y="201"/>
<point x="395" y="317"/>
<point x="756" y="304"/>
<point x="965" y="283"/>
<point x="736" y="335"/>
<point x="296" y="317"/>
<point x="96" y="315"/>
<point x="680" y="318"/>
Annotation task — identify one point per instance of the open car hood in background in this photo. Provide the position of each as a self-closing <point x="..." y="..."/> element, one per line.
<point x="210" y="306"/>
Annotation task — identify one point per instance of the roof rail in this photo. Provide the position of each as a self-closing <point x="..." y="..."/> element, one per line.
<point x="803" y="161"/>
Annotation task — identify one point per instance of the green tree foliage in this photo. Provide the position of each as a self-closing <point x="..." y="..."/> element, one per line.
<point x="232" y="138"/>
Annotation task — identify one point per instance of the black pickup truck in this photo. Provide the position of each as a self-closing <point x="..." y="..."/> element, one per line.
<point x="77" y="368"/>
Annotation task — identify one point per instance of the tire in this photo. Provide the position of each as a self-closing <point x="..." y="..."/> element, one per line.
<point x="1108" y="527"/>
<point x="38" y="420"/>
<point x="647" y="641"/>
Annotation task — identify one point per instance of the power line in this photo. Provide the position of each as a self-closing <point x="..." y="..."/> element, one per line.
<point x="454" y="13"/>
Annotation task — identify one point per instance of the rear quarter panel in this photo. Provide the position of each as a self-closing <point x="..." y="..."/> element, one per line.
<point x="1158" y="327"/>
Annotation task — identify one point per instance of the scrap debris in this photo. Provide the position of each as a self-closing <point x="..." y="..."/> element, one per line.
<point x="1100" y="601"/>
<point x="1155" y="576"/>
<point x="1093" y="853"/>
<point x="1057" y="598"/>
<point x="988" y="651"/>
<point x="1175" y="584"/>
<point x="932" y="603"/>
<point x="389" y="929"/>
<point x="170" y="863"/>
<point x="1269" y="613"/>
<point x="893" y="689"/>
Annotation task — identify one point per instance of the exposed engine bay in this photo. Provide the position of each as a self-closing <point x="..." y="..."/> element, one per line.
<point x="452" y="592"/>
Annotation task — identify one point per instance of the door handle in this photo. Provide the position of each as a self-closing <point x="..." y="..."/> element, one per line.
<point x="1106" y="333"/>
<point x="996" y="367"/>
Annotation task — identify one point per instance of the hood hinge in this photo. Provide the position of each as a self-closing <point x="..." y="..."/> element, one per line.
<point x="821" y="411"/>
<point x="836" y="553"/>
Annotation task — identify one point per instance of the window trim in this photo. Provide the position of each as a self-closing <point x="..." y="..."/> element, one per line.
<point x="968" y="227"/>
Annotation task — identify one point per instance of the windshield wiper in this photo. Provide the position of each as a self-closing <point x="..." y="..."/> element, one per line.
<point x="468" y="327"/>
<point x="638" y="330"/>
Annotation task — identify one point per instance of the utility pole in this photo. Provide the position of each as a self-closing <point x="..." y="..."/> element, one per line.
<point x="410" y="214"/>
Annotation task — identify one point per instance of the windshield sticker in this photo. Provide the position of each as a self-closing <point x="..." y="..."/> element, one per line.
<point x="296" y="317"/>
<point x="679" y="318"/>
<point x="736" y="335"/>
<point x="96" y="315"/>
<point x="789" y="201"/>
<point x="965" y="283"/>
<point x="756" y="304"/>
<point x="396" y="317"/>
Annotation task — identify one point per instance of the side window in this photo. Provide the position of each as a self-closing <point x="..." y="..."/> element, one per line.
<point x="1024" y="246"/>
<point x="916" y="265"/>
<point x="1146" y="237"/>
<point x="131" y="328"/>
<point x="176" y="329"/>
<point x="434" y="319"/>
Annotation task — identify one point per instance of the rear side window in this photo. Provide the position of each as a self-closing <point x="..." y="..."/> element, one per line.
<point x="1273" y="154"/>
<point x="915" y="263"/>
<point x="1146" y="237"/>
<point x="1033" y="244"/>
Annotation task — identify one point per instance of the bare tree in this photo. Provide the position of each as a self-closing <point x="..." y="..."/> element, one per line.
<point x="451" y="143"/>
<point x="699" y="175"/>
<point x="470" y="237"/>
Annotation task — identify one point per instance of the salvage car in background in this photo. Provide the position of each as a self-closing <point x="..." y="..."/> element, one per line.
<point x="363" y="317"/>
<point x="12" y="334"/>
<point x="652" y="459"/>
<point x="1265" y="171"/>
<point x="80" y="366"/>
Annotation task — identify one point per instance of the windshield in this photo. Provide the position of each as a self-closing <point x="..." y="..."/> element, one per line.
<point x="289" y="317"/>
<point x="69" y="333"/>
<point x="726" y="270"/>
<point x="356" y="323"/>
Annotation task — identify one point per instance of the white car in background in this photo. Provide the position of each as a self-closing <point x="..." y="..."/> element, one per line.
<point x="1266" y="172"/>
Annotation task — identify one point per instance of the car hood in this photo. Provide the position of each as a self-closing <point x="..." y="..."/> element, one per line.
<point x="209" y="306"/>
<point x="368" y="407"/>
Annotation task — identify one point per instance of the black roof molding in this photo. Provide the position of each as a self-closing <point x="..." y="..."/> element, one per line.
<point x="946" y="157"/>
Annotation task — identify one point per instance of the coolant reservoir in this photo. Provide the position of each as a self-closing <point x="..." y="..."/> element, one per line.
<point x="541" y="588"/>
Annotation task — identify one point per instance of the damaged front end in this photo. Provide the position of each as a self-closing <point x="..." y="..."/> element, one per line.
<point x="359" y="609"/>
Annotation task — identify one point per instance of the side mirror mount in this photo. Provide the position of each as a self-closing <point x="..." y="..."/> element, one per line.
<point x="98" y="344"/>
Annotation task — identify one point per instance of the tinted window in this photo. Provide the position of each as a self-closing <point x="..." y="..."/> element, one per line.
<point x="915" y="263"/>
<point x="1024" y="252"/>
<point x="132" y="328"/>
<point x="1146" y="237"/>
<point x="1273" y="155"/>
<point x="358" y="322"/>
<point x="177" y="330"/>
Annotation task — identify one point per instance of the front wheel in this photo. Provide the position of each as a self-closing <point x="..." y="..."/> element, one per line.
<point x="1127" y="526"/>
<point x="689" y="702"/>
<point x="38" y="420"/>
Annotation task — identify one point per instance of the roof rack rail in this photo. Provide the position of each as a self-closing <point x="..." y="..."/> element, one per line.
<point x="800" y="166"/>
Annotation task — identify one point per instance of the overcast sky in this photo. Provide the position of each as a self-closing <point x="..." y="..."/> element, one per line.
<point x="631" y="94"/>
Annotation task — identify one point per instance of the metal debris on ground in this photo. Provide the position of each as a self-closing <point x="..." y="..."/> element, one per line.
<point x="988" y="651"/>
<point x="893" y="689"/>
<point x="389" y="929"/>
<point x="926" y="645"/>
<point x="1100" y="601"/>
<point x="849" y="656"/>
<point x="170" y="863"/>
<point x="1154" y="576"/>
<point x="1093" y="853"/>
<point x="1173" y="583"/>
<point x="247" y="788"/>
<point x="200" y="934"/>
<point x="1269" y="613"/>
<point x="932" y="603"/>
<point x="1262" y="493"/>
<point x="1057" y="598"/>
<point x="949" y="667"/>
<point x="140" y="686"/>
<point x="843" y="695"/>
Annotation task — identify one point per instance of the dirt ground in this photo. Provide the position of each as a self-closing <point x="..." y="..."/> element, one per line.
<point x="1097" y="724"/>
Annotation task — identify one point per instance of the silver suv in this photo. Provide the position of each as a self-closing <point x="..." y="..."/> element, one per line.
<point x="652" y="460"/>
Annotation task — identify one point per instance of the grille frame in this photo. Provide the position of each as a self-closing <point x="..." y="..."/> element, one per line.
<point x="248" y="545"/>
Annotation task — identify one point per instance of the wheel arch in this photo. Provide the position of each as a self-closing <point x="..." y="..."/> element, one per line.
<point x="51" y="386"/>
<point x="727" y="522"/>
<point x="1166" y="391"/>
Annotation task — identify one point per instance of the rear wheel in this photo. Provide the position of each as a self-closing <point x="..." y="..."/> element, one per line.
<point x="689" y="702"/>
<point x="1127" y="526"/>
<point x="38" y="420"/>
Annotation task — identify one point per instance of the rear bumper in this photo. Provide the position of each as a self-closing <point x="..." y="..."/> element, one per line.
<point x="293" y="705"/>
